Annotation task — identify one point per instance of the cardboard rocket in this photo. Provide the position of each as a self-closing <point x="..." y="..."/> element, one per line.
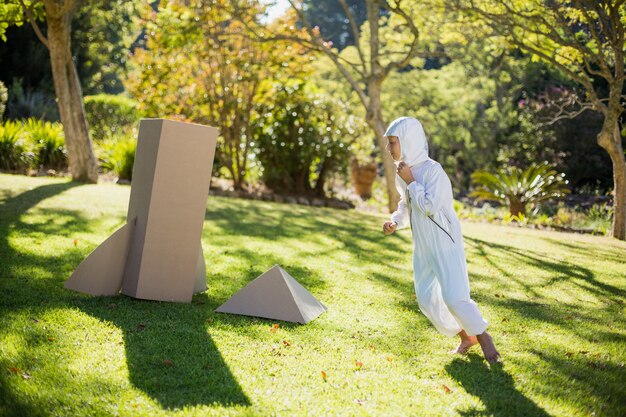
<point x="275" y="295"/>
<point x="157" y="254"/>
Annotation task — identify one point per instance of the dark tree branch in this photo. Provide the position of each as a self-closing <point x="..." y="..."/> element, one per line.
<point x="33" y="22"/>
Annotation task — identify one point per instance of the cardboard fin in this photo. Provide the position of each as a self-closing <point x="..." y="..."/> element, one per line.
<point x="200" y="284"/>
<point x="101" y="273"/>
<point x="274" y="295"/>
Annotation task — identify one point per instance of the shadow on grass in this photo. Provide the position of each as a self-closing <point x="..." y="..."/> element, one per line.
<point x="578" y="275"/>
<point x="495" y="388"/>
<point x="169" y="353"/>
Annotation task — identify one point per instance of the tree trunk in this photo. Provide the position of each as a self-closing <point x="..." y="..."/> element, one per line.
<point x="611" y="140"/>
<point x="321" y="180"/>
<point x="375" y="120"/>
<point x="82" y="162"/>
<point x="516" y="207"/>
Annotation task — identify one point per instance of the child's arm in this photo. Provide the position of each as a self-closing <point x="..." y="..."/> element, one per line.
<point x="433" y="194"/>
<point x="401" y="215"/>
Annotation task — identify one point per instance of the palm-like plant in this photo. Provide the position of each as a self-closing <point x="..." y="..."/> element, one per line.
<point x="518" y="188"/>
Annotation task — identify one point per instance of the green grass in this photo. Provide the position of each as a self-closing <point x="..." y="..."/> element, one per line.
<point x="555" y="303"/>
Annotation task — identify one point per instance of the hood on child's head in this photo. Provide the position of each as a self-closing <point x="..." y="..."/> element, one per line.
<point x="413" y="142"/>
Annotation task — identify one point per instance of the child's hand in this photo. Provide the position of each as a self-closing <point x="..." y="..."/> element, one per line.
<point x="405" y="173"/>
<point x="389" y="227"/>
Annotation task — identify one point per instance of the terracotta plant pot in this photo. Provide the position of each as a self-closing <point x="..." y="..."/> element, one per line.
<point x="363" y="176"/>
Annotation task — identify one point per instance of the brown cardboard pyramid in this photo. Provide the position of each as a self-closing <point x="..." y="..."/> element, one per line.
<point x="157" y="254"/>
<point x="274" y="295"/>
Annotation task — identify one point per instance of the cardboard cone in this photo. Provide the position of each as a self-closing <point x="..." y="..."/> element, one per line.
<point x="274" y="295"/>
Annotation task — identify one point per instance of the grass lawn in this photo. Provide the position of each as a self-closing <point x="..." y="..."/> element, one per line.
<point x="555" y="303"/>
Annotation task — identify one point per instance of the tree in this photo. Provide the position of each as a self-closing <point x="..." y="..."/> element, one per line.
<point x="213" y="72"/>
<point x="58" y="17"/>
<point x="386" y="42"/>
<point x="585" y="40"/>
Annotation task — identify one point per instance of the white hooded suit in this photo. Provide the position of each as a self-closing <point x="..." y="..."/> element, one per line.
<point x="441" y="281"/>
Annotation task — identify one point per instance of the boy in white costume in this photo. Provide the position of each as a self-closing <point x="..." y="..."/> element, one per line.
<point x="426" y="205"/>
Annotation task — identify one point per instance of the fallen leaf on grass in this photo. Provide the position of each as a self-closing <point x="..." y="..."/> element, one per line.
<point x="358" y="364"/>
<point x="274" y="328"/>
<point x="446" y="389"/>
<point x="568" y="317"/>
<point x="51" y="339"/>
<point x="390" y="358"/>
<point x="168" y="362"/>
<point x="286" y="343"/>
<point x="75" y="242"/>
<point x="15" y="370"/>
<point x="324" y="376"/>
<point x="583" y="352"/>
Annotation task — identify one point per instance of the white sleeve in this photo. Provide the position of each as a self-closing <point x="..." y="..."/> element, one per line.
<point x="401" y="215"/>
<point x="434" y="194"/>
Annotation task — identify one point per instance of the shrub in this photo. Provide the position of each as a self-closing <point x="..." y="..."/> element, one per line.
<point x="301" y="139"/>
<point x="108" y="115"/>
<point x="48" y="143"/>
<point x="118" y="156"/>
<point x="518" y="188"/>
<point x="14" y="155"/>
<point x="23" y="104"/>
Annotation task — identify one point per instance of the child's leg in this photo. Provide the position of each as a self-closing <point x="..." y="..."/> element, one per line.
<point x="451" y="272"/>
<point x="431" y="303"/>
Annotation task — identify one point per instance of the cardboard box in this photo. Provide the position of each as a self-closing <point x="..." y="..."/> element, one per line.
<point x="157" y="255"/>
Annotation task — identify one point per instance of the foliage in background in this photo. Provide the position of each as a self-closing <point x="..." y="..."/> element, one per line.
<point x="104" y="35"/>
<point x="32" y="144"/>
<point x="25" y="103"/>
<point x="108" y="115"/>
<point x="14" y="154"/>
<point x="117" y="155"/>
<point x="213" y="71"/>
<point x="585" y="40"/>
<point x="519" y="188"/>
<point x="328" y="81"/>
<point x="302" y="139"/>
<point x="48" y="144"/>
<point x="561" y="215"/>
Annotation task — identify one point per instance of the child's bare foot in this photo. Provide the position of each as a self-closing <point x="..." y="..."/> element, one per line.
<point x="489" y="349"/>
<point x="466" y="343"/>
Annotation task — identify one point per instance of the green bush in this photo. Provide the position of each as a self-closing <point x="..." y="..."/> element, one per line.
<point x="48" y="144"/>
<point x="110" y="115"/>
<point x="118" y="156"/>
<point x="14" y="155"/>
<point x="301" y="139"/>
